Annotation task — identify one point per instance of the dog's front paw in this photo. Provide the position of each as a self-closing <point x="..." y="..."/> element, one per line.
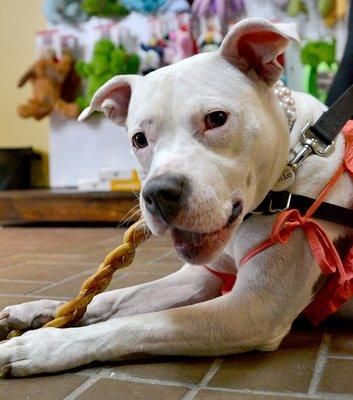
<point x="40" y="351"/>
<point x="32" y="353"/>
<point x="25" y="316"/>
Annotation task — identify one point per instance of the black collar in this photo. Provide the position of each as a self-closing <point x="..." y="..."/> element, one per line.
<point x="276" y="202"/>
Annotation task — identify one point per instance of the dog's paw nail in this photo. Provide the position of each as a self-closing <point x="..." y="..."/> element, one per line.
<point x="5" y="372"/>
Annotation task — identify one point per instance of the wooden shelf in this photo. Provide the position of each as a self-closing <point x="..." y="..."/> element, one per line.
<point x="64" y="206"/>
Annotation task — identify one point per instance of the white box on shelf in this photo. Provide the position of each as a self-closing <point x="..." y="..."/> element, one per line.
<point x="80" y="150"/>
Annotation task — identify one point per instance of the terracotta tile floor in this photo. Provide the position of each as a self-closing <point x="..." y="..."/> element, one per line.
<point x="45" y="262"/>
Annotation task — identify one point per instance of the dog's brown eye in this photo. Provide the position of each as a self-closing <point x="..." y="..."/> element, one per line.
<point x="139" y="140"/>
<point x="215" y="119"/>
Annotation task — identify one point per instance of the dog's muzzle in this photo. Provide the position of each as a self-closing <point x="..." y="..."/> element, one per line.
<point x="166" y="195"/>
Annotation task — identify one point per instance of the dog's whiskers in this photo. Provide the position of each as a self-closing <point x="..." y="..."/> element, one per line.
<point x="134" y="211"/>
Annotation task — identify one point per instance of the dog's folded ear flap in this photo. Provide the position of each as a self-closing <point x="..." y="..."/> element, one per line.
<point x="258" y="44"/>
<point x="113" y="99"/>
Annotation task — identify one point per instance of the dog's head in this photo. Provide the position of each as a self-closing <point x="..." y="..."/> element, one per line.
<point x="208" y="135"/>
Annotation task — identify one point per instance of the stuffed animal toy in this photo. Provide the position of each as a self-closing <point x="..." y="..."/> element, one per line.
<point x="333" y="10"/>
<point x="64" y="11"/>
<point x="282" y="4"/>
<point x="150" y="54"/>
<point x="151" y="57"/>
<point x="222" y="8"/>
<point x="296" y="7"/>
<point x="210" y="37"/>
<point x="312" y="55"/>
<point x="55" y="84"/>
<point x="107" y="61"/>
<point x="175" y="6"/>
<point x="143" y="6"/>
<point x="180" y="45"/>
<point x="104" y="8"/>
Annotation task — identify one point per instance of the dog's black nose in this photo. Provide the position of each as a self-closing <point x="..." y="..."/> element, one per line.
<point x="165" y="195"/>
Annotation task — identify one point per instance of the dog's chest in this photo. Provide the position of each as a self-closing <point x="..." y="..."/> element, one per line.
<point x="249" y="234"/>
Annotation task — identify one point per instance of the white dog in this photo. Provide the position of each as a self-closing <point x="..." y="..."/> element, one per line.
<point x="211" y="140"/>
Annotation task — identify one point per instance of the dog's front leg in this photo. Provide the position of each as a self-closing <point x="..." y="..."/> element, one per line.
<point x="257" y="314"/>
<point x="215" y="327"/>
<point x="268" y="295"/>
<point x="202" y="329"/>
<point x="190" y="284"/>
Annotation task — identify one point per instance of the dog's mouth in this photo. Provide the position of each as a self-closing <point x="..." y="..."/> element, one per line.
<point x="196" y="246"/>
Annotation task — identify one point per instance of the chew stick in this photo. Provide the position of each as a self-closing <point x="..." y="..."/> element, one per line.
<point x="120" y="257"/>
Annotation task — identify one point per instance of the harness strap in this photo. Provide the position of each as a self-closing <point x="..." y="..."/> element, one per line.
<point x="332" y="296"/>
<point x="321" y="246"/>
<point x="228" y="279"/>
<point x="340" y="287"/>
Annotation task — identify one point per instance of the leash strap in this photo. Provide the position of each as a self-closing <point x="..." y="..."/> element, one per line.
<point x="332" y="121"/>
<point x="319" y="139"/>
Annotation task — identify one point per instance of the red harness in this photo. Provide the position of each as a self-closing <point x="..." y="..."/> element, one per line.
<point x="339" y="287"/>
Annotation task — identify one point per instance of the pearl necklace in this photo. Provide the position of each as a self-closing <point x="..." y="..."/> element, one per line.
<point x="286" y="101"/>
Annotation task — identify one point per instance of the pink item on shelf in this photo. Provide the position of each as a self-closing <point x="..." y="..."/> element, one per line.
<point x="222" y="8"/>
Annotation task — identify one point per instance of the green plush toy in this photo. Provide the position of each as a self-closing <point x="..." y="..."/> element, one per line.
<point x="315" y="56"/>
<point x="296" y="7"/>
<point x="107" y="61"/>
<point x="104" y="8"/>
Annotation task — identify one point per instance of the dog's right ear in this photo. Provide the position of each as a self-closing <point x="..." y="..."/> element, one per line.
<point x="257" y="44"/>
<point x="113" y="99"/>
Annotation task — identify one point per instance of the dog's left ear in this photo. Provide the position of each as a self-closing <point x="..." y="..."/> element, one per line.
<point x="113" y="98"/>
<point x="257" y="44"/>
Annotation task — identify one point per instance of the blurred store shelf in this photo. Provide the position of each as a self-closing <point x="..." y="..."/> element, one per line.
<point x="47" y="206"/>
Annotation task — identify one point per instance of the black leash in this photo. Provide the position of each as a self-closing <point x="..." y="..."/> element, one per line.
<point x="318" y="139"/>
<point x="329" y="125"/>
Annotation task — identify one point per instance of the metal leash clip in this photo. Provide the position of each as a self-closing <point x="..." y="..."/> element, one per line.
<point x="311" y="144"/>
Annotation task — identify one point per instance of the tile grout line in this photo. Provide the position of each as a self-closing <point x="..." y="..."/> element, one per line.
<point x="82" y="388"/>
<point x="44" y="262"/>
<point x="159" y="258"/>
<point x="320" y="363"/>
<point x="216" y="365"/>
<point x="340" y="357"/>
<point x="316" y="396"/>
<point x="148" y="381"/>
<point x="34" y="297"/>
<point x="90" y="271"/>
<point x="106" y="373"/>
<point x="23" y="281"/>
<point x="49" y="286"/>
